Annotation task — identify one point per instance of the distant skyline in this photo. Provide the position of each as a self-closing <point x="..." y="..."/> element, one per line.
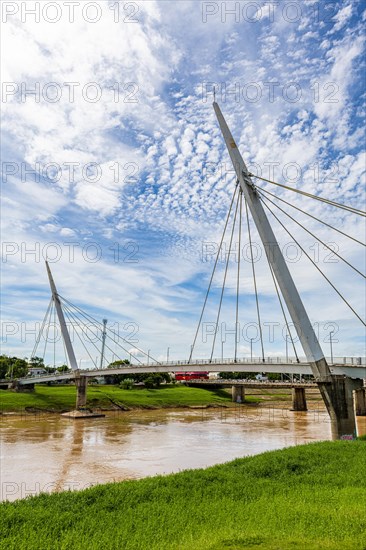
<point x="114" y="167"/>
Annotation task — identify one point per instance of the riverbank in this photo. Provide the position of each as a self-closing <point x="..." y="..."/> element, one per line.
<point x="56" y="399"/>
<point x="62" y="398"/>
<point x="307" y="497"/>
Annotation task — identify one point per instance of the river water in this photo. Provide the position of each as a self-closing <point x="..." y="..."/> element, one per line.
<point x="53" y="453"/>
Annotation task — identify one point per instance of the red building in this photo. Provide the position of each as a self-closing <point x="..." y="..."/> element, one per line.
<point x="191" y="375"/>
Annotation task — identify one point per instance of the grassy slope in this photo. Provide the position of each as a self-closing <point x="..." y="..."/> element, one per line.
<point x="311" y="497"/>
<point x="63" y="397"/>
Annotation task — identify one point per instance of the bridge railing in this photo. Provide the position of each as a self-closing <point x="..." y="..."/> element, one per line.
<point x="226" y="361"/>
<point x="352" y="361"/>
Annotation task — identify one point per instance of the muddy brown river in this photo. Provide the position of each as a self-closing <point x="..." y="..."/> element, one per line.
<point x="52" y="453"/>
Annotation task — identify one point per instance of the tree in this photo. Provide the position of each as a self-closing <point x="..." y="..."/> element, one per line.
<point x="273" y="376"/>
<point x="36" y="362"/>
<point x="137" y="377"/>
<point x="63" y="368"/>
<point x="118" y="363"/>
<point x="5" y="363"/>
<point x="153" y="380"/>
<point x="15" y="367"/>
<point x="149" y="382"/>
<point x="117" y="378"/>
<point x="18" y="368"/>
<point x="50" y="370"/>
<point x="111" y="379"/>
<point x="126" y="384"/>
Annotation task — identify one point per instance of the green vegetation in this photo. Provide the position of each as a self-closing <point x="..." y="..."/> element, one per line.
<point x="126" y="384"/>
<point x="15" y="367"/>
<point x="156" y="379"/>
<point x="310" y="497"/>
<point x="12" y="366"/>
<point x="58" y="398"/>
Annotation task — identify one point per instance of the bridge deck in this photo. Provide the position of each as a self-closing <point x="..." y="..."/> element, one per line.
<point x="252" y="384"/>
<point x="352" y="371"/>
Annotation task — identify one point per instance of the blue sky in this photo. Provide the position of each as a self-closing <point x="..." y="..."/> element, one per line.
<point x="162" y="177"/>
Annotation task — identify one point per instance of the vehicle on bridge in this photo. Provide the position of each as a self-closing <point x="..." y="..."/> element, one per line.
<point x="261" y="377"/>
<point x="191" y="376"/>
<point x="36" y="371"/>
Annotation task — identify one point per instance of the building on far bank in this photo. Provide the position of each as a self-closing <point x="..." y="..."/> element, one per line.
<point x="36" y="371"/>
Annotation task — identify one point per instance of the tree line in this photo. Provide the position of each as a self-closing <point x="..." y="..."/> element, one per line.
<point x="16" y="367"/>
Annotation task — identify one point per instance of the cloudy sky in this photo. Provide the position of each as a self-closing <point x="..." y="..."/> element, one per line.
<point x="115" y="169"/>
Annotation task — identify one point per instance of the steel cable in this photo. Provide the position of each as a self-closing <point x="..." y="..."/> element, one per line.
<point x="212" y="275"/>
<point x="316" y="197"/>
<point x="224" y="281"/>
<point x="307" y="255"/>
<point x="310" y="215"/>
<point x="313" y="235"/>
<point x="255" y="281"/>
<point x="238" y="277"/>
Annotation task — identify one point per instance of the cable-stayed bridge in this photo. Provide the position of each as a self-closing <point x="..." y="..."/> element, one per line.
<point x="274" y="365"/>
<point x="249" y="206"/>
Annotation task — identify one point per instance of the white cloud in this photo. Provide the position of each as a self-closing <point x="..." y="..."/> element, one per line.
<point x="67" y="232"/>
<point x="342" y="17"/>
<point x="182" y="188"/>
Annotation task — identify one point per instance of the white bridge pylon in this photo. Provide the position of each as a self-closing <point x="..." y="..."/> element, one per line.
<point x="303" y="326"/>
<point x="337" y="391"/>
<point x="61" y="319"/>
<point x="70" y="316"/>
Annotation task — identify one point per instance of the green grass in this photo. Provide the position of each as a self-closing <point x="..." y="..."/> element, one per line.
<point x="311" y="497"/>
<point x="60" y="398"/>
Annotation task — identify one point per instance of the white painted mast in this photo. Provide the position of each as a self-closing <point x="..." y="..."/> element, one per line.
<point x="61" y="319"/>
<point x="104" y="334"/>
<point x="303" y="326"/>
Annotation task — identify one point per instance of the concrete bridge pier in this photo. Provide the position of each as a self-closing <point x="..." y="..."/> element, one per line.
<point x="337" y="392"/>
<point x="359" y="396"/>
<point x="81" y="383"/>
<point x="299" y="399"/>
<point x="15" y="386"/>
<point x="238" y="394"/>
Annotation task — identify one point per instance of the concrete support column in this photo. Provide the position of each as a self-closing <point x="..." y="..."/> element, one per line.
<point x="81" y="383"/>
<point x="238" y="394"/>
<point x="298" y="399"/>
<point x="15" y="386"/>
<point x="337" y="393"/>
<point x="359" y="396"/>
